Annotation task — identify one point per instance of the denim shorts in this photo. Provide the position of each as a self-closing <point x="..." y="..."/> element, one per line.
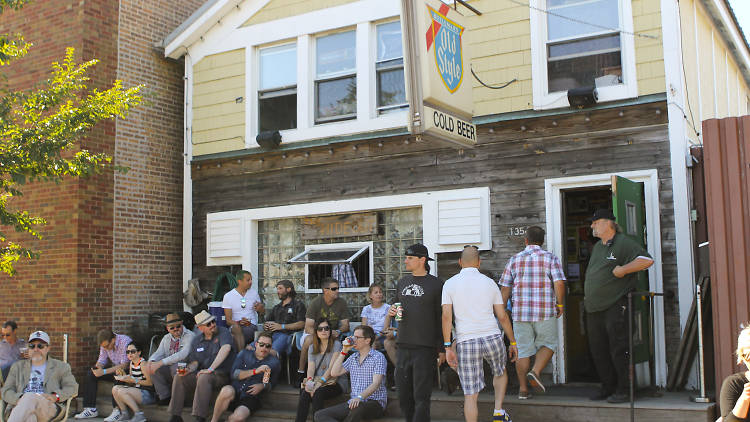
<point x="147" y="397"/>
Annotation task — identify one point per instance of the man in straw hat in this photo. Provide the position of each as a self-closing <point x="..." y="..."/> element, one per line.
<point x="37" y="387"/>
<point x="174" y="348"/>
<point x="208" y="364"/>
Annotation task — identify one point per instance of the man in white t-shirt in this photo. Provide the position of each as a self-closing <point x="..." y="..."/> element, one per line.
<point x="476" y="301"/>
<point x="241" y="308"/>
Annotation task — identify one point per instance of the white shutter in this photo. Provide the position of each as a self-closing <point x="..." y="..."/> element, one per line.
<point x="460" y="221"/>
<point x="224" y="237"/>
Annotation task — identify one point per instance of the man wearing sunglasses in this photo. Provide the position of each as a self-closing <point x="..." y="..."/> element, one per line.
<point x="37" y="387"/>
<point x="209" y="362"/>
<point x="241" y="308"/>
<point x="10" y="346"/>
<point x="248" y="386"/>
<point x="329" y="306"/>
<point x="174" y="348"/>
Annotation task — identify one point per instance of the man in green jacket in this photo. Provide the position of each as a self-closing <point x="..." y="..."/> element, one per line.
<point x="37" y="387"/>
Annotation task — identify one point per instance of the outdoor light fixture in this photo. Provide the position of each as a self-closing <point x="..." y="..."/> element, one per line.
<point x="269" y="139"/>
<point x="582" y="97"/>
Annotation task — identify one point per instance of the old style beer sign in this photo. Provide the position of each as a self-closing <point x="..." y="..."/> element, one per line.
<point x="435" y="54"/>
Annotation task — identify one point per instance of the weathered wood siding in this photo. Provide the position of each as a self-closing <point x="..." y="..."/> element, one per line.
<point x="218" y="118"/>
<point x="277" y="9"/>
<point x="513" y="163"/>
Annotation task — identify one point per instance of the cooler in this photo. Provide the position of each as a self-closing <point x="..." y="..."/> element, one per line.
<point x="215" y="309"/>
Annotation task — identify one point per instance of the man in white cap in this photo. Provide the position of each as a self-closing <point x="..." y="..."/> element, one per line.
<point x="37" y="387"/>
<point x="208" y="365"/>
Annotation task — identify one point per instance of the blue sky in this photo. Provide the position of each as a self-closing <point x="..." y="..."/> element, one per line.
<point x="742" y="11"/>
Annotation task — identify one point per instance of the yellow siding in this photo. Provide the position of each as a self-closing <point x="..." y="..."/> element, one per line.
<point x="720" y="77"/>
<point x="277" y="9"/>
<point x="218" y="117"/>
<point x="649" y="55"/>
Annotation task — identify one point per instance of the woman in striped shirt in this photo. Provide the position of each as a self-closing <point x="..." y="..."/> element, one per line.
<point x="136" y="388"/>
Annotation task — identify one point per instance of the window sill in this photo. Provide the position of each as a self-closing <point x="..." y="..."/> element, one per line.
<point x="606" y="94"/>
<point x="343" y="128"/>
<point x="342" y="290"/>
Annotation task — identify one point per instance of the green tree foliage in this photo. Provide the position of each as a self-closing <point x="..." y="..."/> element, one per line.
<point x="40" y="130"/>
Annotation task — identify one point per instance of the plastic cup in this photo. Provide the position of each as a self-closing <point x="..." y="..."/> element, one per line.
<point x="181" y="368"/>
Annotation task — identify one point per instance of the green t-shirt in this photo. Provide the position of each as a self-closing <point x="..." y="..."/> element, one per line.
<point x="334" y="313"/>
<point x="602" y="289"/>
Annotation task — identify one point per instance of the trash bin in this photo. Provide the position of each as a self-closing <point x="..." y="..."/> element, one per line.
<point x="215" y="309"/>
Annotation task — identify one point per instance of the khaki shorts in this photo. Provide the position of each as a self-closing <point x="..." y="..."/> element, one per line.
<point x="532" y="335"/>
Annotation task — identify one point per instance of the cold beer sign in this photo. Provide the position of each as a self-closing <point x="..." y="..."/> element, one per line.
<point x="436" y="62"/>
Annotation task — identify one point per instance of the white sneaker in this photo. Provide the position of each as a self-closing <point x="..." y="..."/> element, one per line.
<point x="116" y="416"/>
<point x="138" y="417"/>
<point x="88" y="413"/>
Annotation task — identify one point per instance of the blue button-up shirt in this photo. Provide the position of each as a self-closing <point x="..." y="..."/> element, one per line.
<point x="361" y="375"/>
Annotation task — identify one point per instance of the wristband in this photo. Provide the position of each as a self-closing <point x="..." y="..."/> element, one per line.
<point x="323" y="379"/>
<point x="512" y="343"/>
<point x="104" y="371"/>
<point x="359" y="396"/>
<point x="447" y="343"/>
<point x="254" y="371"/>
<point x="343" y="353"/>
<point x="283" y="326"/>
<point x="559" y="305"/>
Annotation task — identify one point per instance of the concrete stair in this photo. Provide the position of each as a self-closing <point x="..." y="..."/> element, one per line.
<point x="561" y="403"/>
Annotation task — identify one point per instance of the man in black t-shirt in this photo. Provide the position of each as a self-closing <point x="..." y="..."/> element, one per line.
<point x="286" y="317"/>
<point x="419" y="336"/>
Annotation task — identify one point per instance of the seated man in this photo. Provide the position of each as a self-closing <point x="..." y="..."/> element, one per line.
<point x="111" y="351"/>
<point x="241" y="308"/>
<point x="174" y="348"/>
<point x="209" y="361"/>
<point x="37" y="387"/>
<point x="254" y="372"/>
<point x="286" y="317"/>
<point x="329" y="306"/>
<point x="366" y="368"/>
<point x="10" y="347"/>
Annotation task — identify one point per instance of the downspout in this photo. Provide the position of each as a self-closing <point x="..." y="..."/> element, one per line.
<point x="187" y="182"/>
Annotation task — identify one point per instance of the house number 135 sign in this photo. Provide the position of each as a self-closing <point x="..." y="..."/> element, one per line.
<point x="517" y="231"/>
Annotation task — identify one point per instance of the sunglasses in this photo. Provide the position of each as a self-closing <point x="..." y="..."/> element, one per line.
<point x="6" y="335"/>
<point x="174" y="327"/>
<point x="471" y="246"/>
<point x="131" y="351"/>
<point x="264" y="345"/>
<point x="243" y="303"/>
<point x="333" y="289"/>
<point x="325" y="328"/>
<point x="39" y="346"/>
<point x="210" y="323"/>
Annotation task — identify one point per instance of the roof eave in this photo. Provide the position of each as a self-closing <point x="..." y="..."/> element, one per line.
<point x="177" y="42"/>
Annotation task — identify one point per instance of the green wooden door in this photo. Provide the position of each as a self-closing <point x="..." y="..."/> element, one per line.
<point x="630" y="213"/>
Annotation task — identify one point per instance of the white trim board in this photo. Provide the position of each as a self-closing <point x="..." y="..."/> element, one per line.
<point x="427" y="201"/>
<point x="552" y="198"/>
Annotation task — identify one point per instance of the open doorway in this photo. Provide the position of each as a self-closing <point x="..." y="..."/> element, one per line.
<point x="578" y="205"/>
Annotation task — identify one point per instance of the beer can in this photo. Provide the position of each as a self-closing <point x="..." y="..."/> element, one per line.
<point x="266" y="377"/>
<point x="399" y="311"/>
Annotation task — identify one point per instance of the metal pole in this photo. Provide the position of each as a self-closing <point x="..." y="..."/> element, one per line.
<point x="631" y="368"/>
<point x="699" y="305"/>
<point x="651" y="344"/>
<point x="65" y="347"/>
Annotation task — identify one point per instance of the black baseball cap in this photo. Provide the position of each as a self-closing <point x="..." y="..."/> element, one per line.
<point x="418" y="250"/>
<point x="603" y="213"/>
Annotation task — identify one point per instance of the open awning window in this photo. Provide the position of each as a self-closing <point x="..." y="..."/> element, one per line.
<point x="344" y="255"/>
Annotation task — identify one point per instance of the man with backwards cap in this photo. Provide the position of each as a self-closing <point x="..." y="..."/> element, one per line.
<point x="610" y="275"/>
<point x="419" y="336"/>
<point x="174" y="348"/>
<point x="37" y="387"/>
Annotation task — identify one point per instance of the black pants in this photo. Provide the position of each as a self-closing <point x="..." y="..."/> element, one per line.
<point x="367" y="410"/>
<point x="608" y="341"/>
<point x="91" y="385"/>
<point x="317" y="399"/>
<point x="415" y="372"/>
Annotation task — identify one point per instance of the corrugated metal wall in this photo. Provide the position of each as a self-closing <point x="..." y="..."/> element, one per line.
<point x="727" y="172"/>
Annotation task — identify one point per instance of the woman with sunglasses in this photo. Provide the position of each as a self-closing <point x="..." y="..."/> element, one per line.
<point x="734" y="398"/>
<point x="136" y="388"/>
<point x="319" y="385"/>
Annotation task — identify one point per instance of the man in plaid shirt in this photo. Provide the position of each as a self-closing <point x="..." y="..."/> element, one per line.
<point x="536" y="279"/>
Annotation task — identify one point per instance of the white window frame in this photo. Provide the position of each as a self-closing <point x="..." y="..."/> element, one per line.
<point x="256" y="82"/>
<point x="333" y="77"/>
<point x="547" y="100"/>
<point x="391" y="108"/>
<point x="329" y="246"/>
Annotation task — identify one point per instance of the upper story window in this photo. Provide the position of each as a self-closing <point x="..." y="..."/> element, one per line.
<point x="580" y="55"/>
<point x="277" y="88"/>
<point x="335" y="77"/>
<point x="389" y="67"/>
<point x="581" y="44"/>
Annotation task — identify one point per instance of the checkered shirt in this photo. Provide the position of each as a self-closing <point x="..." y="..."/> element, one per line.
<point x="117" y="355"/>
<point x="345" y="275"/>
<point x="361" y="375"/>
<point x="531" y="273"/>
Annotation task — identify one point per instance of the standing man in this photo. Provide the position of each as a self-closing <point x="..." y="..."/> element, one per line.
<point x="538" y="285"/>
<point x="476" y="301"/>
<point x="10" y="346"/>
<point x="174" y="348"/>
<point x="611" y="274"/>
<point x="241" y="308"/>
<point x="366" y="368"/>
<point x="111" y="352"/>
<point x="208" y="364"/>
<point x="329" y="306"/>
<point x="418" y="334"/>
<point x="37" y="387"/>
<point x="286" y="317"/>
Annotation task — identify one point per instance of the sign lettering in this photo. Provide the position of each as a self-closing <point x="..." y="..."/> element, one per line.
<point x="345" y="225"/>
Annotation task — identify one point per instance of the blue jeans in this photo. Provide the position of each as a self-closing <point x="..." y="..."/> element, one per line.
<point x="282" y="343"/>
